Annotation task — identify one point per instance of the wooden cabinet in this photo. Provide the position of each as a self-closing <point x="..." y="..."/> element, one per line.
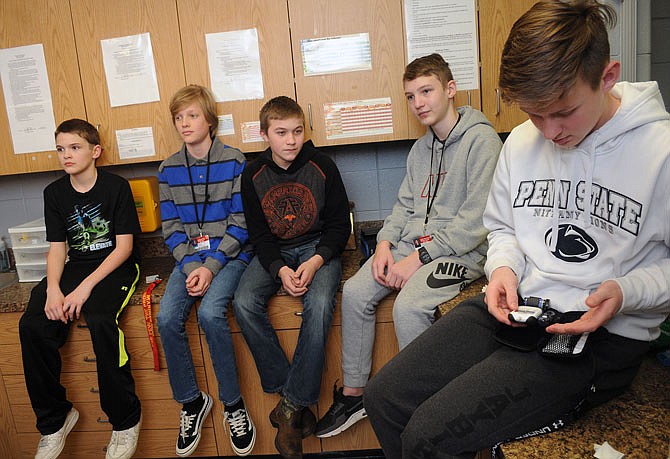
<point x="382" y="20"/>
<point x="94" y="21"/>
<point x="496" y="19"/>
<point x="46" y="22"/>
<point x="160" y="413"/>
<point x="270" y="19"/>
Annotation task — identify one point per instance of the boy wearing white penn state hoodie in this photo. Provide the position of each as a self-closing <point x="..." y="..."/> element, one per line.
<point x="434" y="242"/>
<point x="578" y="215"/>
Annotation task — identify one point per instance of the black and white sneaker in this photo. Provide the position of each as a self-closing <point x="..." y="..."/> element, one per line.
<point x="239" y="425"/>
<point x="342" y="414"/>
<point x="190" y="426"/>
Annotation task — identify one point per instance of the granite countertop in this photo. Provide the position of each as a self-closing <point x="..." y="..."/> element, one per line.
<point x="155" y="261"/>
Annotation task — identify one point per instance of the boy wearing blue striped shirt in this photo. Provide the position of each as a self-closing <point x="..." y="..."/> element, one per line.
<point x="205" y="229"/>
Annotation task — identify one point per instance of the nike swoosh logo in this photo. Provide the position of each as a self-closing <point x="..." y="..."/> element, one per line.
<point x="439" y="283"/>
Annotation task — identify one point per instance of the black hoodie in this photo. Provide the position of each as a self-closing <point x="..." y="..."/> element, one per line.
<point x="287" y="208"/>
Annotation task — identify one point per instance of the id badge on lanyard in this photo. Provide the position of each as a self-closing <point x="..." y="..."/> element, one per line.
<point x="201" y="242"/>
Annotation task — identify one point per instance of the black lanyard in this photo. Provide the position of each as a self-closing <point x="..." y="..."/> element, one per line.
<point x="429" y="201"/>
<point x="190" y="179"/>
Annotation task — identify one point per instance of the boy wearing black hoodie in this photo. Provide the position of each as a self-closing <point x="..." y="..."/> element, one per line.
<point x="297" y="214"/>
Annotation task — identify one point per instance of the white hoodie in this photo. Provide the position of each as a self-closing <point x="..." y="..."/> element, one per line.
<point x="621" y="233"/>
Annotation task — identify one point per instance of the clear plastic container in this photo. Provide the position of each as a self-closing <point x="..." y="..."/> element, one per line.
<point x="29" y="234"/>
<point x="31" y="272"/>
<point x="32" y="254"/>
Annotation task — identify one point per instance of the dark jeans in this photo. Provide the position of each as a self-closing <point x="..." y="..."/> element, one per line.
<point x="42" y="338"/>
<point x="299" y="380"/>
<point x="455" y="390"/>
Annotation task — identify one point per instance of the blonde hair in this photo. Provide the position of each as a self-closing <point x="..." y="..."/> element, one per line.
<point x="200" y="95"/>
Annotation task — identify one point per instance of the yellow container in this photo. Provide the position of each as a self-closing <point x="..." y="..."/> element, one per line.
<point x="147" y="202"/>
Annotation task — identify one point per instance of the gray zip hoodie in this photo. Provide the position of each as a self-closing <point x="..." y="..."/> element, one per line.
<point x="455" y="219"/>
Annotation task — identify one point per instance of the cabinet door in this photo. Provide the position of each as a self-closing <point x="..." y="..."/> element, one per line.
<point x="47" y="22"/>
<point x="270" y="19"/>
<point x="94" y="21"/>
<point x="382" y="20"/>
<point x="495" y="21"/>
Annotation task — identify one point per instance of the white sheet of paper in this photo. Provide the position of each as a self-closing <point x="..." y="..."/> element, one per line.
<point x="234" y="65"/>
<point x="358" y="118"/>
<point x="251" y="132"/>
<point x="25" y="85"/>
<point x="130" y="70"/>
<point x="135" y="142"/>
<point x="346" y="53"/>
<point x="447" y="27"/>
<point x="226" y="125"/>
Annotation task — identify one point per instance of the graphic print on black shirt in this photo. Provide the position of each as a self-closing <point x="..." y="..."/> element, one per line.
<point x="88" y="229"/>
<point x="290" y="209"/>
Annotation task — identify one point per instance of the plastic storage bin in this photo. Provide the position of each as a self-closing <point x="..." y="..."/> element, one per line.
<point x="32" y="272"/>
<point x="145" y="194"/>
<point x="29" y="234"/>
<point x="31" y="255"/>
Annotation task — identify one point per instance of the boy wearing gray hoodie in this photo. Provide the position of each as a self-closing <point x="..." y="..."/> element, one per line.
<point x="434" y="242"/>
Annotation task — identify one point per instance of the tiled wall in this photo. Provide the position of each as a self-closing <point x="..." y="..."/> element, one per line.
<point x="371" y="173"/>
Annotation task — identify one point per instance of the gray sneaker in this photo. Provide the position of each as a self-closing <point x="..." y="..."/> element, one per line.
<point x="123" y="443"/>
<point x="52" y="445"/>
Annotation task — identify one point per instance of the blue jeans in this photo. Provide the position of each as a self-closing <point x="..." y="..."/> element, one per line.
<point x="299" y="381"/>
<point x="175" y="308"/>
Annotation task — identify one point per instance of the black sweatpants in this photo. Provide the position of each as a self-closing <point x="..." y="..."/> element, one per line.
<point x="455" y="390"/>
<point x="42" y="338"/>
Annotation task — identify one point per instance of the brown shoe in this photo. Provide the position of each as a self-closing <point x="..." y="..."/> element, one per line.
<point x="289" y="431"/>
<point x="307" y="421"/>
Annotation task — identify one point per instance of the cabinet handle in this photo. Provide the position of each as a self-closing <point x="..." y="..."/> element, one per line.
<point x="102" y="421"/>
<point x="309" y="116"/>
<point x="298" y="313"/>
<point x="89" y="359"/>
<point x="97" y="127"/>
<point x="469" y="98"/>
<point x="497" y="101"/>
<point x="82" y="325"/>
<point x="94" y="390"/>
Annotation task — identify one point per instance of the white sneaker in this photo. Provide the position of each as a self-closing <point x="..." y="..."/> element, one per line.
<point x="123" y="443"/>
<point x="52" y="445"/>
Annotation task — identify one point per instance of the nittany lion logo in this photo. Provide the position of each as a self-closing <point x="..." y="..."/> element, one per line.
<point x="574" y="245"/>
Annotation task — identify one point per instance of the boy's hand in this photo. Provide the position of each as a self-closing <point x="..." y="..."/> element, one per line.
<point x="398" y="274"/>
<point x="290" y="280"/>
<point x="73" y="303"/>
<point x="54" y="306"/>
<point x="603" y="304"/>
<point x="382" y="261"/>
<point x="198" y="282"/>
<point x="305" y="272"/>
<point x="501" y="294"/>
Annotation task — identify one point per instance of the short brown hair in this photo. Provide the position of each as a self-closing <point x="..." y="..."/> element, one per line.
<point x="553" y="44"/>
<point x="200" y="95"/>
<point x="433" y="64"/>
<point x="82" y="128"/>
<point x="279" y="108"/>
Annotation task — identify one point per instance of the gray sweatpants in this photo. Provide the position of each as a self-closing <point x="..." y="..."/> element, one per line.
<point x="413" y="310"/>
<point x="455" y="390"/>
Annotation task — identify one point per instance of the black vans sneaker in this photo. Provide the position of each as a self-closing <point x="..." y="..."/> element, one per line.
<point x="342" y="414"/>
<point x="239" y="425"/>
<point x="191" y="420"/>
